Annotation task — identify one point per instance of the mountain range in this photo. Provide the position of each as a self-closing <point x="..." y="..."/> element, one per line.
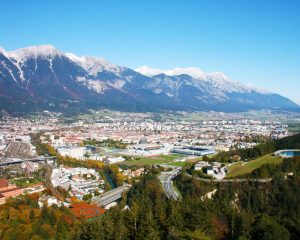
<point x="44" y="78"/>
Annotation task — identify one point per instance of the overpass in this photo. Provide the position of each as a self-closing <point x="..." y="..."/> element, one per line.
<point x="110" y="196"/>
<point x="12" y="161"/>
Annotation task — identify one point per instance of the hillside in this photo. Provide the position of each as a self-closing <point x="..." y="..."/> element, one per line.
<point x="291" y="142"/>
<point x="44" y="78"/>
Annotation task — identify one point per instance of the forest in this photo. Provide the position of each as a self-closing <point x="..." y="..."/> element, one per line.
<point x="248" y="210"/>
<point x="237" y="211"/>
<point x="292" y="142"/>
<point x="23" y="219"/>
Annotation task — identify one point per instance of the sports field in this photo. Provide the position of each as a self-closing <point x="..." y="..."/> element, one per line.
<point x="161" y="159"/>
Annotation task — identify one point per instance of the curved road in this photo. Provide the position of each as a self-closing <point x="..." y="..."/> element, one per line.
<point x="167" y="183"/>
<point x="166" y="179"/>
<point x="263" y="180"/>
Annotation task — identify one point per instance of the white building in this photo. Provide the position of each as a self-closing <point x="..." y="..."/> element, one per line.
<point x="112" y="160"/>
<point x="24" y="138"/>
<point x="200" y="165"/>
<point x="210" y="171"/>
<point x="80" y="181"/>
<point x="149" y="150"/>
<point x="49" y="200"/>
<point x="74" y="152"/>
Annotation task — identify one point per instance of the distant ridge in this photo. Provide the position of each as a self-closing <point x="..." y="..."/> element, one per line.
<point x="44" y="78"/>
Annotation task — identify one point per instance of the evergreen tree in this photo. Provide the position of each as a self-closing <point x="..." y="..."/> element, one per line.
<point x="31" y="215"/>
<point x="266" y="228"/>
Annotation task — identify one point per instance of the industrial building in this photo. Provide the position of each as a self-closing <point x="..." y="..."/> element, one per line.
<point x="190" y="150"/>
<point x="148" y="150"/>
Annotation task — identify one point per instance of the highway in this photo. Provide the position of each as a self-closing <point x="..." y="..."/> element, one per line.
<point x="110" y="196"/>
<point x="167" y="183"/>
<point x="11" y="161"/>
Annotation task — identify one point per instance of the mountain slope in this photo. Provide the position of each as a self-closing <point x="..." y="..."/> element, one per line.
<point x="43" y="78"/>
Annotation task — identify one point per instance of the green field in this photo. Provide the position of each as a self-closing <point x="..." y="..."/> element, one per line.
<point x="25" y="182"/>
<point x="294" y="127"/>
<point x="177" y="164"/>
<point x="161" y="159"/>
<point x="239" y="168"/>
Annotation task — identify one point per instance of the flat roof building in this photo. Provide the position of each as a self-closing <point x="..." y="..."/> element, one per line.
<point x="190" y="150"/>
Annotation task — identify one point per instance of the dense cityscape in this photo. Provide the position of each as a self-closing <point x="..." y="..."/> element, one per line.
<point x="130" y="140"/>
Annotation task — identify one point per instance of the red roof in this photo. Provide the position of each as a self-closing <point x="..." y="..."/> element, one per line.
<point x="3" y="183"/>
<point x="86" y="211"/>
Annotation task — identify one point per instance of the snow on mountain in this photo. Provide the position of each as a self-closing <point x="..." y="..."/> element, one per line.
<point x="216" y="79"/>
<point x="47" y="51"/>
<point x="192" y="71"/>
<point x="259" y="90"/>
<point x="15" y="62"/>
<point x="94" y="65"/>
<point x="97" y="86"/>
<point x="49" y="78"/>
<point x="148" y="71"/>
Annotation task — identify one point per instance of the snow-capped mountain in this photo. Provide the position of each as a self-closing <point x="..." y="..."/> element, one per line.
<point x="45" y="51"/>
<point x="95" y="65"/>
<point x="217" y="79"/>
<point x="42" y="77"/>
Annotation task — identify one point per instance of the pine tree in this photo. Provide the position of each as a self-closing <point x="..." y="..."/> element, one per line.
<point x="31" y="215"/>
<point x="44" y="215"/>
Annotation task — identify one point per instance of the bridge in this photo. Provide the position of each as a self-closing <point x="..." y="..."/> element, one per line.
<point x="110" y="196"/>
<point x="12" y="161"/>
<point x="167" y="183"/>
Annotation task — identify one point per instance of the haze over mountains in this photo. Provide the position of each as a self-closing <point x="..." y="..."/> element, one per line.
<point x="44" y="78"/>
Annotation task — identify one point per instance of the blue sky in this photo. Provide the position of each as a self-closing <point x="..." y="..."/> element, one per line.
<point x="252" y="41"/>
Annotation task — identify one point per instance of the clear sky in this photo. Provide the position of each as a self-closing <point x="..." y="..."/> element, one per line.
<point x="252" y="41"/>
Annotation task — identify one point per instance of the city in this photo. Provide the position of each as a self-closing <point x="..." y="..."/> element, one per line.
<point x="149" y="120"/>
<point x="129" y="141"/>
